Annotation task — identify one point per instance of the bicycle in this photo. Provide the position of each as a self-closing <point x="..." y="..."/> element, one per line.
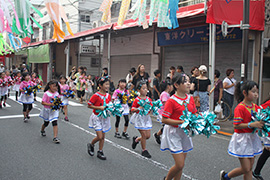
<point x="220" y="115"/>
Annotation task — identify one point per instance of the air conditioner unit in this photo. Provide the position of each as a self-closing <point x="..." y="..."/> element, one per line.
<point x="88" y="49"/>
<point x="96" y="24"/>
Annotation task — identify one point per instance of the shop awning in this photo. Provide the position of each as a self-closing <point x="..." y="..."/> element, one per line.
<point x="183" y="12"/>
<point x="39" y="54"/>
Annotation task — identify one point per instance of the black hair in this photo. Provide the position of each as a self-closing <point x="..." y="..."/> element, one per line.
<point x="172" y="68"/>
<point x="61" y="77"/>
<point x="83" y="72"/>
<point x="179" y="79"/>
<point x="2" y="73"/>
<point x="180" y="68"/>
<point x="140" y="84"/>
<point x="132" y="70"/>
<point x="24" y="74"/>
<point x="47" y="87"/>
<point x="195" y="67"/>
<point x="81" y="68"/>
<point x="229" y="71"/>
<point x="217" y="73"/>
<point x="102" y="80"/>
<point x="105" y="69"/>
<point x="18" y="73"/>
<point x="243" y="86"/>
<point x="122" y="80"/>
<point x="156" y="72"/>
<point x="164" y="84"/>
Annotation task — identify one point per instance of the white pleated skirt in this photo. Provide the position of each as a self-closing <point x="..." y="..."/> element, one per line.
<point x="126" y="109"/>
<point x="16" y="87"/>
<point x="47" y="114"/>
<point x="25" y="99"/>
<point x="4" y="90"/>
<point x="175" y="140"/>
<point x="266" y="141"/>
<point x="99" y="123"/>
<point x="64" y="100"/>
<point x="245" y="145"/>
<point x="141" y="122"/>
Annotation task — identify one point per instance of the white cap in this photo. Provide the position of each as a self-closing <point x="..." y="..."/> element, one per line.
<point x="2" y="65"/>
<point x="203" y="68"/>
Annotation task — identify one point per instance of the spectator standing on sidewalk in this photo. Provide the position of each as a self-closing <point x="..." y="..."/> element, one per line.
<point x="217" y="89"/>
<point x="130" y="76"/>
<point x="228" y="94"/>
<point x="194" y="73"/>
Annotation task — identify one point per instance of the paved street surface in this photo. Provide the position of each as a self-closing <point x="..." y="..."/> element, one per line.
<point x="25" y="155"/>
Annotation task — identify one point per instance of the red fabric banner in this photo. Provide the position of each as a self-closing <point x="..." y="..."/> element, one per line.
<point x="231" y="11"/>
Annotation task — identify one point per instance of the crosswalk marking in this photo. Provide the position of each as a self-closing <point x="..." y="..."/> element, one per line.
<point x="39" y="99"/>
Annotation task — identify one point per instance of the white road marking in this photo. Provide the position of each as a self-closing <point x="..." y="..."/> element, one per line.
<point x="17" y="116"/>
<point x="155" y="163"/>
<point x="14" y="99"/>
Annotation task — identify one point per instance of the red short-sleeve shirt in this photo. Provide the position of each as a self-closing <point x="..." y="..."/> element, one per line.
<point x="175" y="106"/>
<point x="98" y="99"/>
<point x="242" y="114"/>
<point x="266" y="104"/>
<point x="136" y="101"/>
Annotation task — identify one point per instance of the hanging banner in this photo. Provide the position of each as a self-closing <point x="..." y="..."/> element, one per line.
<point x="40" y="54"/>
<point x="231" y="11"/>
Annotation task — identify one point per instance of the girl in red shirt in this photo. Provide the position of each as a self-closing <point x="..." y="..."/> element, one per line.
<point x="244" y="144"/>
<point x="266" y="151"/>
<point x="141" y="122"/>
<point x="99" y="123"/>
<point x="174" y="138"/>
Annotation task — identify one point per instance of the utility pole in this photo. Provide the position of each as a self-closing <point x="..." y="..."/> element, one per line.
<point x="245" y="28"/>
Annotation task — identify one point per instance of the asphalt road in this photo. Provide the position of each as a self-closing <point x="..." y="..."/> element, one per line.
<point x="25" y="155"/>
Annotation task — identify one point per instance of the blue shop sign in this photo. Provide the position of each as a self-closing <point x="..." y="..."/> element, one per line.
<point x="195" y="35"/>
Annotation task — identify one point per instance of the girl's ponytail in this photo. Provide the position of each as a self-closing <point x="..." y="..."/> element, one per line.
<point x="243" y="86"/>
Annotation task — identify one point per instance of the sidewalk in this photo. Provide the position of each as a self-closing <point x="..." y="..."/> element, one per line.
<point x="226" y="128"/>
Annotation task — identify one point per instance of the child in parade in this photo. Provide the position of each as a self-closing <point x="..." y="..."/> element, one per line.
<point x="124" y="101"/>
<point x="64" y="87"/>
<point x="26" y="99"/>
<point x="16" y="87"/>
<point x="266" y="151"/>
<point x="3" y="88"/>
<point x="9" y="80"/>
<point x="48" y="114"/>
<point x="100" y="124"/>
<point x="166" y="89"/>
<point x="174" y="138"/>
<point x="81" y="83"/>
<point x="141" y="122"/>
<point x="244" y="144"/>
<point x="36" y="81"/>
<point x="89" y="87"/>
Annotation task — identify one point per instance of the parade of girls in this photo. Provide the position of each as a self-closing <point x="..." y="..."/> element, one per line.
<point x="171" y="103"/>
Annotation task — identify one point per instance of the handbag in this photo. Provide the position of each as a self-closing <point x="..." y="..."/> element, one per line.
<point x="197" y="98"/>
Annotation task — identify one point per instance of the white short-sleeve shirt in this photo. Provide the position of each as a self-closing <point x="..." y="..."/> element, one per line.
<point x="229" y="82"/>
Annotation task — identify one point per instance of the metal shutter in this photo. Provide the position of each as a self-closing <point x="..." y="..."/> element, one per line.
<point x="85" y="61"/>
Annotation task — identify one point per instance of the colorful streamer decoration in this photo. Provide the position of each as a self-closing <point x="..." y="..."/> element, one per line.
<point x="140" y="13"/>
<point x="156" y="106"/>
<point x="57" y="103"/>
<point x="3" y="83"/>
<point x="173" y="8"/>
<point x="69" y="93"/>
<point x="146" y="106"/>
<point x="106" y="9"/>
<point x="262" y="115"/>
<point x="15" y="42"/>
<point x="123" y="12"/>
<point x="36" y="88"/>
<point x="22" y="8"/>
<point x="4" y="46"/>
<point x="56" y="13"/>
<point x="115" y="108"/>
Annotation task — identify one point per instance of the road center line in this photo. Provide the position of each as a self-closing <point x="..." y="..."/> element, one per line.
<point x="155" y="163"/>
<point x="17" y="116"/>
